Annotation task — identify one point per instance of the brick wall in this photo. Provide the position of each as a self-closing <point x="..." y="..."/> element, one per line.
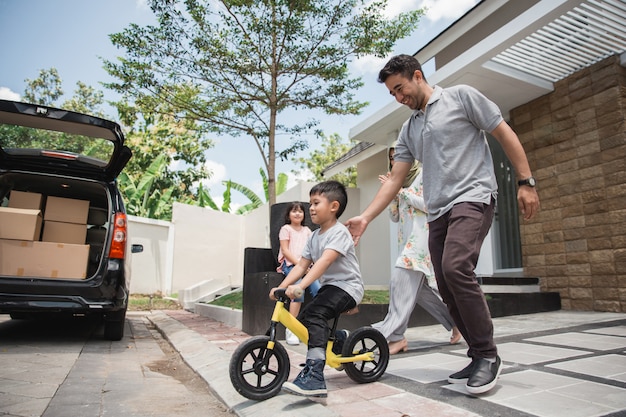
<point x="575" y="138"/>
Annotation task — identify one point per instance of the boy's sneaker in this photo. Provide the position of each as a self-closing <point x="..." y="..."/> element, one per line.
<point x="484" y="376"/>
<point x="291" y="338"/>
<point x="463" y="375"/>
<point x="340" y="338"/>
<point x="310" y="381"/>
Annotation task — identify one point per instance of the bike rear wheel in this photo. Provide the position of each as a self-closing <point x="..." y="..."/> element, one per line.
<point x="362" y="340"/>
<point x="257" y="372"/>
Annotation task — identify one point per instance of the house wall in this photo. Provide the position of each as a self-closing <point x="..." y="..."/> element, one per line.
<point x="374" y="246"/>
<point x="575" y="139"/>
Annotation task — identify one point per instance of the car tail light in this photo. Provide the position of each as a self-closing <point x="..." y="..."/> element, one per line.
<point x="118" y="243"/>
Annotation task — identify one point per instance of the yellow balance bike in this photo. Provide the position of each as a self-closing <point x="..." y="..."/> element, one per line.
<point x="260" y="365"/>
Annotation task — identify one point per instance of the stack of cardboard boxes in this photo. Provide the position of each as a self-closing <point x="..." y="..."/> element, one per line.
<point x="60" y="253"/>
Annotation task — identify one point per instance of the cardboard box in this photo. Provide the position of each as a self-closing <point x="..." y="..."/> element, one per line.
<point x="25" y="200"/>
<point x="43" y="259"/>
<point x="61" y="232"/>
<point x="66" y="210"/>
<point x="20" y="224"/>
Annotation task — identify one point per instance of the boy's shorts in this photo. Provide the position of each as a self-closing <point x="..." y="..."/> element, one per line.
<point x="312" y="289"/>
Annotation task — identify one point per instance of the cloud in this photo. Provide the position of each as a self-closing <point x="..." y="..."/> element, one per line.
<point x="142" y="4"/>
<point x="7" y="94"/>
<point x="436" y="9"/>
<point x="396" y="7"/>
<point x="303" y="175"/>
<point x="218" y="174"/>
<point x="445" y="9"/>
<point x="368" y="64"/>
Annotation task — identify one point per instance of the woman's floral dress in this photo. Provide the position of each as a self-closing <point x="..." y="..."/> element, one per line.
<point x="409" y="211"/>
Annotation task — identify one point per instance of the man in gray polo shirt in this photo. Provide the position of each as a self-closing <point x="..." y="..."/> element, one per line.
<point x="446" y="132"/>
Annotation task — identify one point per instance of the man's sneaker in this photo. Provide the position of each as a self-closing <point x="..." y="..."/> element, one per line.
<point x="310" y="381"/>
<point x="463" y="375"/>
<point x="291" y="338"/>
<point x="340" y="338"/>
<point x="484" y="376"/>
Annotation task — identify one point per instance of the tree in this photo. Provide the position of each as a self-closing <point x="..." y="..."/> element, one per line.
<point x="168" y="155"/>
<point x="86" y="99"/>
<point x="45" y="89"/>
<point x="333" y="148"/>
<point x="243" y="67"/>
<point x="184" y="148"/>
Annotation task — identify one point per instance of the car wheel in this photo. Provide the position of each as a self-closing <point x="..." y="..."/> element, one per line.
<point x="114" y="325"/>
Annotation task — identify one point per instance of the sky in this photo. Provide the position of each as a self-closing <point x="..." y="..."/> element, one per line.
<point x="72" y="36"/>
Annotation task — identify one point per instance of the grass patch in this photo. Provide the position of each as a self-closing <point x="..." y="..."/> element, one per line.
<point x="147" y="302"/>
<point x="232" y="300"/>
<point x="375" y="297"/>
<point x="235" y="299"/>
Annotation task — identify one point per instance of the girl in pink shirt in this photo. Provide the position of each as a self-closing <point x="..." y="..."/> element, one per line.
<point x="293" y="236"/>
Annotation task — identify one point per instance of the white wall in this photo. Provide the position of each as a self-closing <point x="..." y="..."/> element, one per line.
<point x="208" y="245"/>
<point x="201" y="244"/>
<point x="149" y="268"/>
<point x="375" y="246"/>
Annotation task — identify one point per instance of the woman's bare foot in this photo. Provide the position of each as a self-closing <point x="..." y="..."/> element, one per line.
<point x="398" y="346"/>
<point x="456" y="336"/>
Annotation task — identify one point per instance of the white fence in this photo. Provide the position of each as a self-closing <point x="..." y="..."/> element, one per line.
<point x="199" y="246"/>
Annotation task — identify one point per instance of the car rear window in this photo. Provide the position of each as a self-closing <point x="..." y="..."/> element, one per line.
<point x="18" y="140"/>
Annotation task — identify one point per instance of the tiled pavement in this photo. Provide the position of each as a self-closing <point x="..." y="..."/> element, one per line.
<point x="564" y="363"/>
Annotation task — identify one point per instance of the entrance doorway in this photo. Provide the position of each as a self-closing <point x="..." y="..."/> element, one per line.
<point x="507" y="246"/>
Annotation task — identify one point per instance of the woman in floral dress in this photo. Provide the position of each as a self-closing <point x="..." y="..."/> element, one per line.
<point x="412" y="279"/>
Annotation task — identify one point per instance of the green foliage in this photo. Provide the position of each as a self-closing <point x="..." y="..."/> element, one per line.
<point x="86" y="99"/>
<point x="45" y="89"/>
<point x="142" y="197"/>
<point x="239" y="67"/>
<point x="333" y="147"/>
<point x="182" y="149"/>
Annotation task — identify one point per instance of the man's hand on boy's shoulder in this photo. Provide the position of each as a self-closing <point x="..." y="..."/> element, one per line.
<point x="356" y="226"/>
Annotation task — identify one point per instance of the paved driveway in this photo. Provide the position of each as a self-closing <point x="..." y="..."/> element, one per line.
<point x="65" y="368"/>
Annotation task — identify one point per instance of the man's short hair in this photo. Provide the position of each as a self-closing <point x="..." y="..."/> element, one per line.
<point x="405" y="65"/>
<point x="333" y="191"/>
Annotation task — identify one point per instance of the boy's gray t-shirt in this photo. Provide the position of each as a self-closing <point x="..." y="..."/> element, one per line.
<point x="449" y="139"/>
<point x="344" y="272"/>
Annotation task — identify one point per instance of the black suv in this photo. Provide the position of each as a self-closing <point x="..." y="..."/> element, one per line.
<point x="63" y="229"/>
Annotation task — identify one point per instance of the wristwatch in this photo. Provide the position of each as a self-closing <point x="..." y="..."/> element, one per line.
<point x="530" y="181"/>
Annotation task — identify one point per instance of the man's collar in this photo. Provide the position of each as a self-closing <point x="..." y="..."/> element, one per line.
<point x="436" y="95"/>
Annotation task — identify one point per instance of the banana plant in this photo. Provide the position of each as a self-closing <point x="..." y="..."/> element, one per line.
<point x="255" y="200"/>
<point x="141" y="199"/>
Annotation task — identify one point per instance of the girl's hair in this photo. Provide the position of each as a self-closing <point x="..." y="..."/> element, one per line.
<point x="290" y="207"/>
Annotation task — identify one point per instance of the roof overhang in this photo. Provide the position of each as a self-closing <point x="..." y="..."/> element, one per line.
<point x="512" y="51"/>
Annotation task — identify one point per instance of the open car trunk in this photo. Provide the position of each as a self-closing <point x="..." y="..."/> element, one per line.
<point x="90" y="227"/>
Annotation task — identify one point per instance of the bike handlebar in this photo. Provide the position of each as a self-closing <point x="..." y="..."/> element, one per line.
<point x="280" y="293"/>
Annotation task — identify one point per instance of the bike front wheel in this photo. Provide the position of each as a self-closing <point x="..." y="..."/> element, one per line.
<point x="362" y="340"/>
<point x="257" y="372"/>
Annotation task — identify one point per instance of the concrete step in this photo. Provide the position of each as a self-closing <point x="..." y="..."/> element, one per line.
<point x="509" y="284"/>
